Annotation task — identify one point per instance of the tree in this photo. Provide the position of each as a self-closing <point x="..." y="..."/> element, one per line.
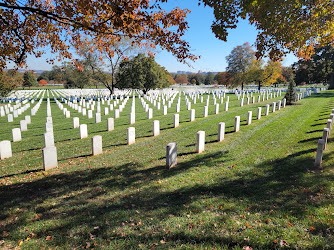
<point x="109" y="58"/>
<point x="8" y="81"/>
<point x="29" y="79"/>
<point x="291" y="94"/>
<point x="42" y="82"/>
<point x="239" y="61"/>
<point x="181" y="79"/>
<point x="264" y="74"/>
<point x="199" y="79"/>
<point x="44" y="76"/>
<point x="70" y="76"/>
<point x="319" y="68"/>
<point x="28" y="26"/>
<point x="288" y="74"/>
<point x="143" y="73"/>
<point x="209" y="78"/>
<point x="224" y="78"/>
<point x="171" y="79"/>
<point x="284" y="26"/>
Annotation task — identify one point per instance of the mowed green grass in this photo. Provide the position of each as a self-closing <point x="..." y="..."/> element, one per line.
<point x="257" y="188"/>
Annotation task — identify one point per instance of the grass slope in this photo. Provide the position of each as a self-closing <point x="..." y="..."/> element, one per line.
<point x="257" y="188"/>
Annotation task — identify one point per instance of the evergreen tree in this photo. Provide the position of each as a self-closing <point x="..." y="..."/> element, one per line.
<point x="291" y="95"/>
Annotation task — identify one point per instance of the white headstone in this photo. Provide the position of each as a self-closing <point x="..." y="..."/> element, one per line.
<point x="273" y="107"/>
<point x="178" y="108"/>
<point x="200" y="141"/>
<point x="205" y="111"/>
<point x="49" y="119"/>
<point x="156" y="127"/>
<point x="49" y="139"/>
<point x="150" y="113"/>
<point x="5" y="149"/>
<point x="28" y="119"/>
<point x="259" y="110"/>
<point x="236" y="123"/>
<point x="132" y="117"/>
<point x="217" y="108"/>
<point x="249" y="117"/>
<point x="97" y="117"/>
<point x="110" y="124"/>
<point x="90" y="114"/>
<point x="176" y="120"/>
<point x="83" y="131"/>
<point x="131" y="135"/>
<point x="267" y="109"/>
<point x="325" y="136"/>
<point x="221" y="131"/>
<point x="10" y="118"/>
<point x="242" y="102"/>
<point x="171" y="154"/>
<point x="50" y="157"/>
<point x="284" y="102"/>
<point x="116" y="113"/>
<point x="68" y="114"/>
<point x="192" y="115"/>
<point x="226" y="106"/>
<point x="76" y="123"/>
<point x="318" y="157"/>
<point x="97" y="145"/>
<point x="23" y="125"/>
<point x="106" y="111"/>
<point x="165" y="110"/>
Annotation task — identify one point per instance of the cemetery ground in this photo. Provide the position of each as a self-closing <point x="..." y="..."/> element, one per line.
<point x="257" y="188"/>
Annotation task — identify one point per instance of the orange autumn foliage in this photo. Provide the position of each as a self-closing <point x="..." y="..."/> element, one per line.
<point x="29" y="26"/>
<point x="42" y="82"/>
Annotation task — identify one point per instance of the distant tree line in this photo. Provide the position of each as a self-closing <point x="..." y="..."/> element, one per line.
<point x="126" y="69"/>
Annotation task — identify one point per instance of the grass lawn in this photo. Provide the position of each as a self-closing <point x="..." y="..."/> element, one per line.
<point x="256" y="188"/>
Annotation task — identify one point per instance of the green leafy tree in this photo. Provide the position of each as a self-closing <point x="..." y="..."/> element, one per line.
<point x="29" y="79"/>
<point x="239" y="61"/>
<point x="142" y="73"/>
<point x="44" y="76"/>
<point x="199" y="79"/>
<point x="318" y="69"/>
<point x="9" y="81"/>
<point x="209" y="78"/>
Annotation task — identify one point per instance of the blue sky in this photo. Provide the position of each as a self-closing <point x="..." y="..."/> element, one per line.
<point x="201" y="39"/>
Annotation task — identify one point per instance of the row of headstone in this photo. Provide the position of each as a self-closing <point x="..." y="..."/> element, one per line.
<point x="322" y="143"/>
<point x="171" y="149"/>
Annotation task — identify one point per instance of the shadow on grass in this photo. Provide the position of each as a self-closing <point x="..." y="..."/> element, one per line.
<point x="98" y="203"/>
<point x="22" y="173"/>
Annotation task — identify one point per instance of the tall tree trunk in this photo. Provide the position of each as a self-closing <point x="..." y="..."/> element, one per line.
<point x="242" y="86"/>
<point x="259" y="86"/>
